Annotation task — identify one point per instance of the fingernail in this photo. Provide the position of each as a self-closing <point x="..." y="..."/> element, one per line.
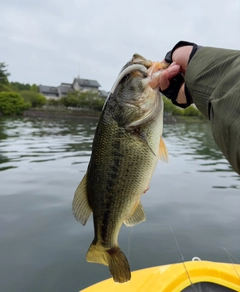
<point x="174" y="69"/>
<point x="172" y="64"/>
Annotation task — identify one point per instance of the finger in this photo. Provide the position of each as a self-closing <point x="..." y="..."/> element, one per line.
<point x="181" y="98"/>
<point x="165" y="63"/>
<point x="181" y="56"/>
<point x="173" y="70"/>
<point x="164" y="80"/>
<point x="172" y="64"/>
<point x="168" y="74"/>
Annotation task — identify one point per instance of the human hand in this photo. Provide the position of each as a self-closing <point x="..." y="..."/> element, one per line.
<point x="167" y="75"/>
<point x="171" y="81"/>
<point x="171" y="84"/>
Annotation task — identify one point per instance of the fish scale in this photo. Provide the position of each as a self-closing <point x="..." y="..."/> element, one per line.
<point x="131" y="154"/>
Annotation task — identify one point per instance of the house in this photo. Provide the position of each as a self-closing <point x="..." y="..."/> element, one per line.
<point x="64" y="88"/>
<point x="50" y="92"/>
<point x="79" y="84"/>
<point x="85" y="84"/>
<point x="103" y="93"/>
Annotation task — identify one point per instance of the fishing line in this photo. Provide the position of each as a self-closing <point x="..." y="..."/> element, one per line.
<point x="182" y="258"/>
<point x="129" y="242"/>
<point x="229" y="257"/>
<point x="237" y="260"/>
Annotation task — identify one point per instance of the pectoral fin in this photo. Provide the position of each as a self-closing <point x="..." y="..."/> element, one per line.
<point x="163" y="153"/>
<point x="137" y="216"/>
<point x="80" y="205"/>
<point x="140" y="133"/>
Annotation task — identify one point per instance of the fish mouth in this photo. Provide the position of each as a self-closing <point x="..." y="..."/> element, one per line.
<point x="154" y="72"/>
<point x="138" y="59"/>
<point x="150" y="70"/>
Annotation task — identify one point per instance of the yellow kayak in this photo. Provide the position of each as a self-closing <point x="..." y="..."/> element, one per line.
<point x="188" y="276"/>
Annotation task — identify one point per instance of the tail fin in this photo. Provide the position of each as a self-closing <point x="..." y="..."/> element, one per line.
<point x="114" y="258"/>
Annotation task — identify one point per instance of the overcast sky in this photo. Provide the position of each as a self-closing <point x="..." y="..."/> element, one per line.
<point x="52" y="41"/>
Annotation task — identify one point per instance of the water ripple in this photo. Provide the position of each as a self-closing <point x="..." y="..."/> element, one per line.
<point x="41" y="164"/>
<point x="26" y="140"/>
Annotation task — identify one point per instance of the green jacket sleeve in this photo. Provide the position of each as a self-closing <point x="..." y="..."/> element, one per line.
<point x="213" y="79"/>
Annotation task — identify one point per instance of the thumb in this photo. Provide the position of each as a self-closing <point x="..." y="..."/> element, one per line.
<point x="173" y="70"/>
<point x="167" y="75"/>
<point x="164" y="80"/>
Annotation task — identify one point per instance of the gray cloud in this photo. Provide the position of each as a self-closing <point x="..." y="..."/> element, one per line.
<point x="49" y="42"/>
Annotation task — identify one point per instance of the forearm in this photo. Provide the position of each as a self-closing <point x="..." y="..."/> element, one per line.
<point x="213" y="79"/>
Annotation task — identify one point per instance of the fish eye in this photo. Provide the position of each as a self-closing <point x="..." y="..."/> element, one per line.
<point x="144" y="74"/>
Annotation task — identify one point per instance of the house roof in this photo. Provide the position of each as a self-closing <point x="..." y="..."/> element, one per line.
<point x="87" y="82"/>
<point x="65" y="88"/>
<point x="103" y="93"/>
<point x="48" y="89"/>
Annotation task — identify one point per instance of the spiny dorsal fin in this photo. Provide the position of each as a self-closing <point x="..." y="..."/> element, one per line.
<point x="163" y="152"/>
<point x="80" y="205"/>
<point x="137" y="216"/>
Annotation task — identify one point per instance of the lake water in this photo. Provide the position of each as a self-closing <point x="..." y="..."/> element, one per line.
<point x="42" y="247"/>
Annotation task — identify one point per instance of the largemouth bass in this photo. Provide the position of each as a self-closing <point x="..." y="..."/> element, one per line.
<point x="126" y="147"/>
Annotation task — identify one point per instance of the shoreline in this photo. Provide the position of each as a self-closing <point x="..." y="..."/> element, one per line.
<point x="60" y="112"/>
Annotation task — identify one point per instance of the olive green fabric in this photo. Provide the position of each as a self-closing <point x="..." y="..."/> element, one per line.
<point x="213" y="79"/>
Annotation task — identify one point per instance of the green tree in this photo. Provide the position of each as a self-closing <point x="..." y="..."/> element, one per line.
<point x="3" y="73"/>
<point x="171" y="108"/>
<point x="35" y="99"/>
<point x="90" y="99"/>
<point x="12" y="103"/>
<point x="192" y="111"/>
<point x="4" y="84"/>
<point x="20" y="86"/>
<point x="54" y="102"/>
<point x="5" y="88"/>
<point x="71" y="100"/>
<point x="87" y="99"/>
<point x="34" y="88"/>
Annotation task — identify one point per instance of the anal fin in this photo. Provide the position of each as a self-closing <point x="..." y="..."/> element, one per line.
<point x="137" y="216"/>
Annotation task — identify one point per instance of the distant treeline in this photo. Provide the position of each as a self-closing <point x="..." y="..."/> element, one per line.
<point x="16" y="97"/>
